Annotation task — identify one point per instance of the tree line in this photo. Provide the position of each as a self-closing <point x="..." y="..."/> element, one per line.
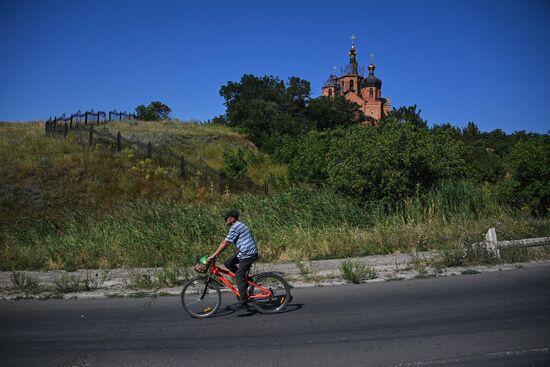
<point x="324" y="143"/>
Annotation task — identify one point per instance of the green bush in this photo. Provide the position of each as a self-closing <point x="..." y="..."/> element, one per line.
<point x="392" y="161"/>
<point x="234" y="164"/>
<point x="528" y="182"/>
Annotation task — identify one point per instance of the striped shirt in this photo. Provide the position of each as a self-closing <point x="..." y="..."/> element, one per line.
<point x="240" y="235"/>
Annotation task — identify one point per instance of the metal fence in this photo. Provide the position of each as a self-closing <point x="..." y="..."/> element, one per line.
<point x="88" y="129"/>
<point x="87" y="118"/>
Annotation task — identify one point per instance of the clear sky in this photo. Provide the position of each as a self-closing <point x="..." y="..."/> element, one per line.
<point x="459" y="61"/>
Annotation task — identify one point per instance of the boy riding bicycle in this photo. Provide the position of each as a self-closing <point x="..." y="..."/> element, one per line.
<point x="240" y="235"/>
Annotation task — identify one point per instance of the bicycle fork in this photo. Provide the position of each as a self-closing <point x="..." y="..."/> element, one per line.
<point x="206" y="284"/>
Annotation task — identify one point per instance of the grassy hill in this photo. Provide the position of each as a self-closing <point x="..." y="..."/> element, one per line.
<point x="201" y="142"/>
<point x="64" y="206"/>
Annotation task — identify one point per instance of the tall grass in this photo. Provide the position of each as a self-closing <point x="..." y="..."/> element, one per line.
<point x="300" y="224"/>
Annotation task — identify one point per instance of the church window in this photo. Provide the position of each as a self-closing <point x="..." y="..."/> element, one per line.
<point x="370" y="92"/>
<point x="351" y="85"/>
<point x="330" y="92"/>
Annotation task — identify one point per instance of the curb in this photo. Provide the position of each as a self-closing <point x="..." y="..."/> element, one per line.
<point x="302" y="274"/>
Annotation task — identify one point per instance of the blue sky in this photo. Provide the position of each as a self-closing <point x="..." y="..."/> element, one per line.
<point x="459" y="61"/>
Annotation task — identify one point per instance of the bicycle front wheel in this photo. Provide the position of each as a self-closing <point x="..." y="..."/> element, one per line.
<point x="271" y="295"/>
<point x="201" y="297"/>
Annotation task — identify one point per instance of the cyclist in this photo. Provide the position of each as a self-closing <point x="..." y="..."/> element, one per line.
<point x="240" y="236"/>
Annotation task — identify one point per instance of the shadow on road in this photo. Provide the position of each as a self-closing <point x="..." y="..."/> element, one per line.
<point x="229" y="309"/>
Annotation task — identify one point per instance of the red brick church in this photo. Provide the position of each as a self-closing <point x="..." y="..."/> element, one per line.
<point x="366" y="92"/>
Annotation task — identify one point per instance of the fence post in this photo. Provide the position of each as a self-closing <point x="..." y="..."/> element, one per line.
<point x="118" y="142"/>
<point x="91" y="136"/>
<point x="71" y="126"/>
<point x="149" y="150"/>
<point x="86" y="118"/>
<point x="265" y="189"/>
<point x="54" y="126"/>
<point x="65" y="130"/>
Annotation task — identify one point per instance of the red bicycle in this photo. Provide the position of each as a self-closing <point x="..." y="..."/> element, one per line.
<point x="201" y="296"/>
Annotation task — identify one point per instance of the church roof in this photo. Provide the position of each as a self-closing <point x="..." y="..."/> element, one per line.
<point x="371" y="80"/>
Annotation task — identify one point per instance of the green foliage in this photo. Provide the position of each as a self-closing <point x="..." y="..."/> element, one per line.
<point x="234" y="164"/>
<point x="330" y="113"/>
<point x="471" y="132"/>
<point x="357" y="271"/>
<point x="217" y="120"/>
<point x="484" y="165"/>
<point x="392" y="161"/>
<point x="528" y="181"/>
<point x="308" y="162"/>
<point x="268" y="108"/>
<point x="154" y="112"/>
<point x="407" y="115"/>
<point x="264" y="106"/>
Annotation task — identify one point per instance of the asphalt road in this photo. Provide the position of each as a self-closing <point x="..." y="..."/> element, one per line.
<point x="498" y="318"/>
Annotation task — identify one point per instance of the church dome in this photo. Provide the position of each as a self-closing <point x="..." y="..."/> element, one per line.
<point x="331" y="82"/>
<point x="371" y="80"/>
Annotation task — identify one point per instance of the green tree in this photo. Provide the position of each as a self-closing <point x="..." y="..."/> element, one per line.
<point x="308" y="163"/>
<point x="331" y="112"/>
<point x="154" y="112"/>
<point x="527" y="182"/>
<point x="471" y="132"/>
<point x="408" y="114"/>
<point x="392" y="161"/>
<point x="266" y="106"/>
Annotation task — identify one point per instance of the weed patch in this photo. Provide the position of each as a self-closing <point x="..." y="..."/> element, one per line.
<point x="149" y="279"/>
<point x="25" y="283"/>
<point x="67" y="283"/>
<point x="357" y="271"/>
<point x="307" y="271"/>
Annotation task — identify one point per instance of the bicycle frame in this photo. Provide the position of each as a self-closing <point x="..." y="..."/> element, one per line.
<point x="219" y="272"/>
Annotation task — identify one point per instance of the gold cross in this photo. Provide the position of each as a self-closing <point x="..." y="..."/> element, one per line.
<point x="352" y="39"/>
<point x="371" y="58"/>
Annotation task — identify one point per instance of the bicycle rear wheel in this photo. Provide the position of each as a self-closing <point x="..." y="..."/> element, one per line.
<point x="279" y="291"/>
<point x="199" y="300"/>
